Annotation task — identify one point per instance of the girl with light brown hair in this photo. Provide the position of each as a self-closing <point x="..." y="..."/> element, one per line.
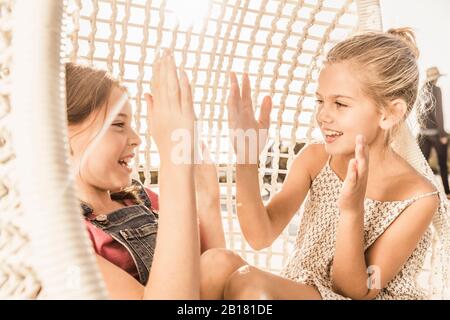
<point x="146" y="248"/>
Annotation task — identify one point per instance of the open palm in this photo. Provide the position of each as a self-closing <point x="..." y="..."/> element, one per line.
<point x="242" y="120"/>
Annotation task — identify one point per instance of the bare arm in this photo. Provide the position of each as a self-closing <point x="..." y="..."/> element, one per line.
<point x="208" y="203"/>
<point x="385" y="257"/>
<point x="261" y="224"/>
<point x="388" y="253"/>
<point x="175" y="268"/>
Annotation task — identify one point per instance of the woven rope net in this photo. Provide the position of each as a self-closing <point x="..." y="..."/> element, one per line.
<point x="17" y="278"/>
<point x="280" y="43"/>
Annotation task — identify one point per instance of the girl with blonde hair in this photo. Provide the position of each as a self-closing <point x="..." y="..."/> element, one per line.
<point x="366" y="225"/>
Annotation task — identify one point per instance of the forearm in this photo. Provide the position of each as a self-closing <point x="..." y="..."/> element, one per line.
<point x="210" y="223"/>
<point x="349" y="274"/>
<point x="253" y="217"/>
<point x="175" y="269"/>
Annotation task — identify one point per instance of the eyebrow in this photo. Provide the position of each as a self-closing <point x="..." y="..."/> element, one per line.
<point x="122" y="115"/>
<point x="336" y="96"/>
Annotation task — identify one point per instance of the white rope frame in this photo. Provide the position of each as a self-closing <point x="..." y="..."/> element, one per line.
<point x="59" y="249"/>
<point x="280" y="43"/>
<point x="17" y="279"/>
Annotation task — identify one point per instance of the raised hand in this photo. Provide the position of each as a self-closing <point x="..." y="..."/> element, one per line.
<point x="353" y="190"/>
<point x="241" y="119"/>
<point x="170" y="109"/>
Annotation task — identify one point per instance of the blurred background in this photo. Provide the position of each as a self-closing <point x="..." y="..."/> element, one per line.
<point x="431" y="23"/>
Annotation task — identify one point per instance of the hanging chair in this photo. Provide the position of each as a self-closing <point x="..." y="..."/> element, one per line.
<point x="44" y="248"/>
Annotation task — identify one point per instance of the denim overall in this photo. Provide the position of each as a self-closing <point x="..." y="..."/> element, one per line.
<point x="134" y="227"/>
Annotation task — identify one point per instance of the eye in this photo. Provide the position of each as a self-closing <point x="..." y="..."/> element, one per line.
<point x="119" y="124"/>
<point x="341" y="105"/>
<point x="319" y="101"/>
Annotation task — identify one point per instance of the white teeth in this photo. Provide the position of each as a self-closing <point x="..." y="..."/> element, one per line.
<point x="124" y="163"/>
<point x="333" y="133"/>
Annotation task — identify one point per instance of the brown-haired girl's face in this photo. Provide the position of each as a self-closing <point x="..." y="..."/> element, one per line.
<point x="103" y="161"/>
<point x="343" y="111"/>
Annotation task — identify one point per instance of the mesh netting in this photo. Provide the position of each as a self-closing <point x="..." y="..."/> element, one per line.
<point x="17" y="279"/>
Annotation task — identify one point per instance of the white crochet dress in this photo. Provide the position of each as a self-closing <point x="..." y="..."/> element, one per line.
<point x="311" y="261"/>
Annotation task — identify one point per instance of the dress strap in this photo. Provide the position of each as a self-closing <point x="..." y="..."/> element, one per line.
<point x="383" y="216"/>
<point x="420" y="196"/>
<point x="329" y="160"/>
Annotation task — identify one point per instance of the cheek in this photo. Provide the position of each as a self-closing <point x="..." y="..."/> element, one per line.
<point x="96" y="166"/>
<point x="101" y="159"/>
<point x="352" y="125"/>
<point x="362" y="122"/>
<point x="102" y="170"/>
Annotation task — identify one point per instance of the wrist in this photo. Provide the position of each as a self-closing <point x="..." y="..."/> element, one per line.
<point x="175" y="159"/>
<point x="351" y="213"/>
<point x="168" y="164"/>
<point x="350" y="207"/>
<point x="207" y="202"/>
<point x="246" y="166"/>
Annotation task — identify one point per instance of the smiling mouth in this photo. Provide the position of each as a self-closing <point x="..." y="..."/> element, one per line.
<point x="126" y="162"/>
<point x="331" y="135"/>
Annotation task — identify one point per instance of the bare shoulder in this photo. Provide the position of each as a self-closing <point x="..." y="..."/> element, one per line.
<point x="409" y="183"/>
<point x="425" y="205"/>
<point x="313" y="157"/>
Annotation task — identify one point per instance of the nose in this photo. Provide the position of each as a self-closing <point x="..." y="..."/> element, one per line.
<point x="135" y="140"/>
<point x="323" y="115"/>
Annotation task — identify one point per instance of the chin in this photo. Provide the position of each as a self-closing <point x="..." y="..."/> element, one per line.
<point x="120" y="183"/>
<point x="339" y="148"/>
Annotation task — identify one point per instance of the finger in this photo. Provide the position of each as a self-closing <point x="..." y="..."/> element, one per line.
<point x="187" y="104"/>
<point x="362" y="156"/>
<point x="246" y="93"/>
<point x="352" y="176"/>
<point x="235" y="85"/>
<point x="149" y="100"/>
<point x="234" y="98"/>
<point x="163" y="70"/>
<point x="264" y="115"/>
<point x="155" y="72"/>
<point x="173" y="84"/>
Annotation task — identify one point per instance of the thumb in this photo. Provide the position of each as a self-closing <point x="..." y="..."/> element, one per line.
<point x="149" y="100"/>
<point x="264" y="115"/>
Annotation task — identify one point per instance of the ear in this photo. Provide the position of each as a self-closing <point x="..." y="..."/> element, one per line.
<point x="393" y="114"/>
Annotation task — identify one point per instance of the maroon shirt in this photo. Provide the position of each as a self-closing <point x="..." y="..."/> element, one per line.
<point x="112" y="250"/>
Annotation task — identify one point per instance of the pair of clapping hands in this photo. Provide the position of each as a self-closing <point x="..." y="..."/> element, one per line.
<point x="170" y="109"/>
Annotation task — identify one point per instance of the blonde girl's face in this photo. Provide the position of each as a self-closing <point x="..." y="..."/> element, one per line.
<point x="343" y="111"/>
<point x="103" y="161"/>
